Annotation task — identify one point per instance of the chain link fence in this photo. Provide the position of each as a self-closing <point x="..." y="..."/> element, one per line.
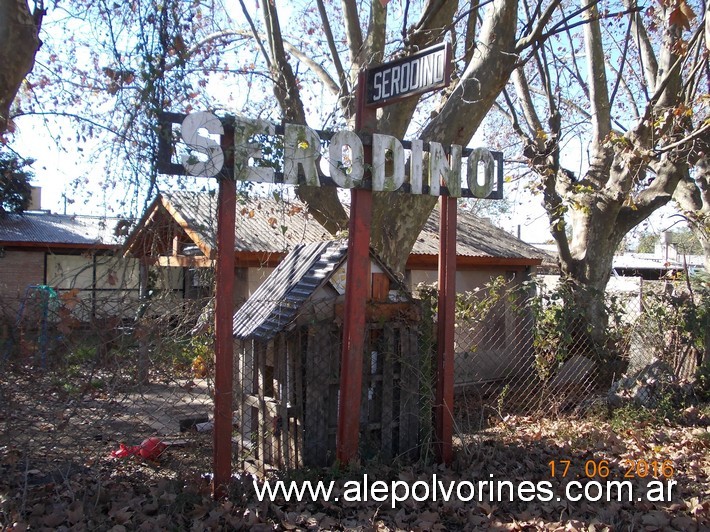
<point x="78" y="379"/>
<point x="86" y="382"/>
<point x="522" y="348"/>
<point x="287" y="386"/>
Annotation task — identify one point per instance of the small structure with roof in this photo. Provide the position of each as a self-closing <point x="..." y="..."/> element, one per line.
<point x="75" y="255"/>
<point x="61" y="271"/>
<point x="287" y="360"/>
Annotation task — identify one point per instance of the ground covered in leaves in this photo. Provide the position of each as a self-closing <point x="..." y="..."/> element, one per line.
<point x="130" y="494"/>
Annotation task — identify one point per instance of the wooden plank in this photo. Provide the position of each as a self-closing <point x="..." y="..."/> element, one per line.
<point x="356" y="291"/>
<point x="297" y="398"/>
<point x="263" y="454"/>
<point x="445" y="330"/>
<point x="319" y="351"/>
<point x="406" y="396"/>
<point x="311" y="407"/>
<point x="271" y="437"/>
<point x="357" y="281"/>
<point x="224" y="340"/>
<point x="411" y="394"/>
<point x="281" y="361"/>
<point x="248" y="435"/>
<point x="380" y="287"/>
<point x="243" y="347"/>
<point x="388" y="385"/>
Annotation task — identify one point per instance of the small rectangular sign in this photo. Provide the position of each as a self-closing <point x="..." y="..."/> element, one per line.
<point x="427" y="70"/>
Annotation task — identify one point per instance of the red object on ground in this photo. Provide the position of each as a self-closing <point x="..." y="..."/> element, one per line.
<point x="150" y="449"/>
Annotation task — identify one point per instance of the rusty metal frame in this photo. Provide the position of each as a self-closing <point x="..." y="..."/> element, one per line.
<point x="444" y="404"/>
<point x="357" y="282"/>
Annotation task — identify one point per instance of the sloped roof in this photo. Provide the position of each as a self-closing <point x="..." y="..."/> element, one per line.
<point x="275" y="303"/>
<point x="45" y="228"/>
<point x="475" y="237"/>
<point x="274" y="226"/>
<point x="263" y="224"/>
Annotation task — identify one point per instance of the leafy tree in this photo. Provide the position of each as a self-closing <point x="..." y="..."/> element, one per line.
<point x="683" y="239"/>
<point x="647" y="243"/>
<point x="624" y="85"/>
<point x="104" y="72"/>
<point x="488" y="40"/>
<point x="112" y="66"/>
<point x="686" y="242"/>
<point x="15" y="188"/>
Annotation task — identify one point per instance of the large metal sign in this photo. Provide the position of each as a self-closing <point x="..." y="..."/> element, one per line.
<point x="421" y="72"/>
<point x="447" y="171"/>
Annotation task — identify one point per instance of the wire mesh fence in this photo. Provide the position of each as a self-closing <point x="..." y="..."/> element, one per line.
<point x="287" y="387"/>
<point x="522" y="348"/>
<point x="78" y="379"/>
<point x="86" y="384"/>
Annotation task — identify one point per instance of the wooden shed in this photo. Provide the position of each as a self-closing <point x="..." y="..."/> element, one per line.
<point x="287" y="364"/>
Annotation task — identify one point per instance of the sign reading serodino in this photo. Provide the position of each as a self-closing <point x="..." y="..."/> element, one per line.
<point x="415" y="74"/>
<point x="452" y="171"/>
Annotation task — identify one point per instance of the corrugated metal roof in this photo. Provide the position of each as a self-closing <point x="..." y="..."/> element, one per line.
<point x="475" y="237"/>
<point x="268" y="225"/>
<point x="275" y="303"/>
<point x="263" y="224"/>
<point x="49" y="228"/>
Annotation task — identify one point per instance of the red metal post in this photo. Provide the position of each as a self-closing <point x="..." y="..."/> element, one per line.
<point x="224" y="340"/>
<point x="444" y="412"/>
<point x="356" y="289"/>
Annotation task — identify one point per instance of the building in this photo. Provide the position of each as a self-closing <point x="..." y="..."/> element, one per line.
<point x="177" y="232"/>
<point x="73" y="255"/>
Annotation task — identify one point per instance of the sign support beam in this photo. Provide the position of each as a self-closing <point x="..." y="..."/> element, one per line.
<point x="444" y="407"/>
<point x="357" y="282"/>
<point x="224" y="339"/>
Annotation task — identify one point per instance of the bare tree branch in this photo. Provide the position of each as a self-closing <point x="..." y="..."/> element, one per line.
<point x="522" y="89"/>
<point x="315" y="67"/>
<point x="255" y="34"/>
<point x="682" y="143"/>
<point x="470" y="38"/>
<point x="537" y="32"/>
<point x="668" y="86"/>
<point x="334" y="55"/>
<point x="647" y="56"/>
<point x="620" y="70"/>
<point x="352" y="29"/>
<point x="599" y="95"/>
<point x="494" y="61"/>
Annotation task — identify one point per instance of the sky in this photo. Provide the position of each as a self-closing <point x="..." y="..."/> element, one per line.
<point x="56" y="170"/>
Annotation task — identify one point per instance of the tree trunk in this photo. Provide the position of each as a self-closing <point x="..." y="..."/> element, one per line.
<point x="693" y="196"/>
<point x="19" y="42"/>
<point x="595" y="241"/>
<point x="399" y="218"/>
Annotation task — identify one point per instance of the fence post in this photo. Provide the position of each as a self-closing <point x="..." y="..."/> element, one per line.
<point x="224" y="339"/>
<point x="356" y="289"/>
<point x="444" y="408"/>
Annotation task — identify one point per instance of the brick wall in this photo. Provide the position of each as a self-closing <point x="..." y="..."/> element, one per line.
<point x="18" y="270"/>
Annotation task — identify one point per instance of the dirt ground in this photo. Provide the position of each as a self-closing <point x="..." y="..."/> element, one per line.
<point x="57" y="472"/>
